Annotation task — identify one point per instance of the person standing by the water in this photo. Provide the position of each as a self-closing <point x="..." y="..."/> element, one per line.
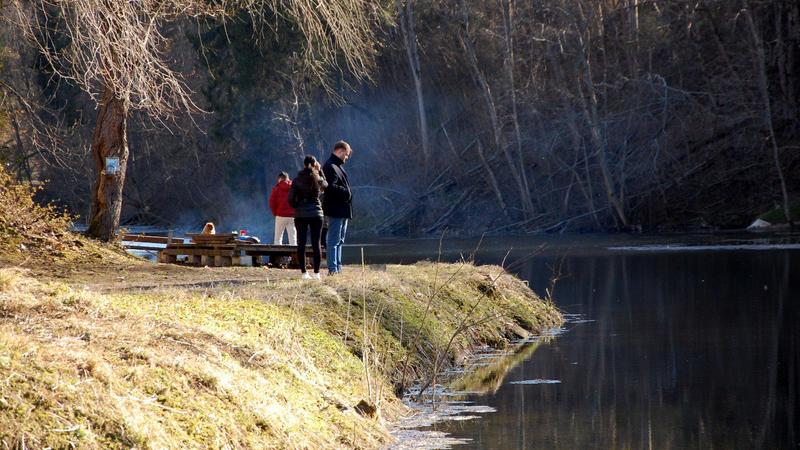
<point x="282" y="210"/>
<point x="304" y="196"/>
<point x="337" y="204"/>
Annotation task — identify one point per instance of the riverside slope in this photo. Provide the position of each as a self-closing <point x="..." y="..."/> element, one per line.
<point x="102" y="350"/>
<point x="274" y="363"/>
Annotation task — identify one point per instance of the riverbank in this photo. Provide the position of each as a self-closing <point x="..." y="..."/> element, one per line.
<point x="102" y="350"/>
<point x="120" y="356"/>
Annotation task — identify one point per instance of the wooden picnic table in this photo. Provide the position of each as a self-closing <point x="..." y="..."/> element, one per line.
<point x="230" y="254"/>
<point x="214" y="250"/>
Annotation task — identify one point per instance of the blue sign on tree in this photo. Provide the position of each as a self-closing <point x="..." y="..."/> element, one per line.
<point x="112" y="165"/>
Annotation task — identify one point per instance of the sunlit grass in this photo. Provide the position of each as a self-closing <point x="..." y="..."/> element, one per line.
<point x="267" y="365"/>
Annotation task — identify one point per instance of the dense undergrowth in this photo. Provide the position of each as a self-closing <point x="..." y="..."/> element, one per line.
<point x="777" y="215"/>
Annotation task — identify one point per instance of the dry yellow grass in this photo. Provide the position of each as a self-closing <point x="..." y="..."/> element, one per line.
<point x="276" y="364"/>
<point x="176" y="370"/>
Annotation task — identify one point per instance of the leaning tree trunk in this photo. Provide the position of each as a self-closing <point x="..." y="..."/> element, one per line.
<point x="483" y="84"/>
<point x="108" y="140"/>
<point x="406" y="19"/>
<point x="763" y="88"/>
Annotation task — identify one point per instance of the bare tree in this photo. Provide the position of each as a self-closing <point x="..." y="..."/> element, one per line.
<point x="481" y="80"/>
<point x="509" y="63"/>
<point x="31" y="132"/>
<point x="116" y="54"/>
<point x="760" y="66"/>
<point x="405" y="15"/>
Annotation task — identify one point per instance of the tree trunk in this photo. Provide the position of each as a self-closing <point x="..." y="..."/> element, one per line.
<point x="577" y="140"/>
<point x="480" y="79"/>
<point x="406" y="17"/>
<point x="590" y="113"/>
<point x="108" y="140"/>
<point x="22" y="157"/>
<point x="763" y="88"/>
<point x="589" y="103"/>
<point x="508" y="25"/>
<point x="492" y="180"/>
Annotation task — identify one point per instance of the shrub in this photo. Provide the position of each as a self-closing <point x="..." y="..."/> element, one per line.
<point x="25" y="224"/>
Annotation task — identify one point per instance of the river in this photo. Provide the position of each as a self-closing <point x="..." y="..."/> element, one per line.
<point x="672" y="343"/>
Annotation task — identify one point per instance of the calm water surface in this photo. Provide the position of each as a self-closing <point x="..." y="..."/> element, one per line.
<point x="673" y="348"/>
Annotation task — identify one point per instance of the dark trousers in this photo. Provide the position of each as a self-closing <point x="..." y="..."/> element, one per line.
<point x="303" y="225"/>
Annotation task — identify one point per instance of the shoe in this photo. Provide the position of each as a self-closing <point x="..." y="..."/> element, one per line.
<point x="305" y="276"/>
<point x="316" y="276"/>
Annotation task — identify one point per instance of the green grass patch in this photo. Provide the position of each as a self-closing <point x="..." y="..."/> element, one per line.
<point x="776" y="214"/>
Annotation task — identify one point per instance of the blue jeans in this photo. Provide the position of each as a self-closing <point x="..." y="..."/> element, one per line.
<point x="337" y="228"/>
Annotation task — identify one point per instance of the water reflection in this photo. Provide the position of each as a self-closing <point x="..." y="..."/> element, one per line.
<point x="486" y="378"/>
<point x="691" y="350"/>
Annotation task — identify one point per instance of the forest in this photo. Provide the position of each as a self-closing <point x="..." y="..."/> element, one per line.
<point x="471" y="116"/>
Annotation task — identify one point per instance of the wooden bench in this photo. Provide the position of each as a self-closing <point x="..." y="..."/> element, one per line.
<point x="132" y="241"/>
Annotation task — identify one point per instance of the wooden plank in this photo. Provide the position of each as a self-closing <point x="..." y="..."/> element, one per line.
<point x="143" y="247"/>
<point x="145" y="238"/>
<point x="212" y="238"/>
<point x="200" y="252"/>
<point x="228" y="251"/>
<point x="198" y="246"/>
<point x="208" y="248"/>
<point x="195" y="250"/>
<point x="243" y="261"/>
<point x="251" y="246"/>
<point x="201" y="244"/>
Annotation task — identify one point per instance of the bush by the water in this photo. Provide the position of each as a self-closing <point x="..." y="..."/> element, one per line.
<point x="776" y="214"/>
<point x="26" y="225"/>
<point x="33" y="233"/>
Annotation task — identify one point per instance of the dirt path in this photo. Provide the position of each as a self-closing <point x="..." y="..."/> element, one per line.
<point x="135" y="274"/>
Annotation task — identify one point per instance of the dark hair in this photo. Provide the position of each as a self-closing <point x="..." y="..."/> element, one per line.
<point x="341" y="145"/>
<point x="307" y="180"/>
<point x="283" y="175"/>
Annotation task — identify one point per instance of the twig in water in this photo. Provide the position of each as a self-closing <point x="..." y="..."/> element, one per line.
<point x="434" y="293"/>
<point x="461" y="327"/>
<point x="474" y="253"/>
<point x="522" y="260"/>
<point x="554" y="278"/>
<point x="347" y="322"/>
<point x="365" y="336"/>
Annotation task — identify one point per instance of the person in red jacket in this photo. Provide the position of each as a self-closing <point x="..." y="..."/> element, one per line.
<point x="282" y="210"/>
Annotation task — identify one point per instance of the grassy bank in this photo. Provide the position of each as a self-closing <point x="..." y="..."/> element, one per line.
<point x="100" y="350"/>
<point x="273" y="364"/>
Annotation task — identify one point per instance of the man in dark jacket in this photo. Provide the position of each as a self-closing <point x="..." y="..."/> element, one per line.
<point x="337" y="203"/>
